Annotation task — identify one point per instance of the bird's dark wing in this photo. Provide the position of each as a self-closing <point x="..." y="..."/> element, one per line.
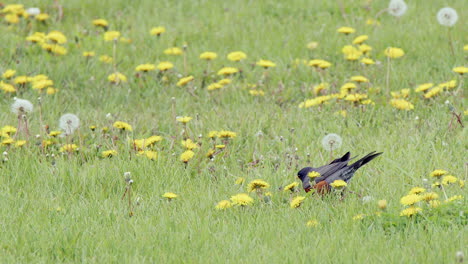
<point x="328" y="170"/>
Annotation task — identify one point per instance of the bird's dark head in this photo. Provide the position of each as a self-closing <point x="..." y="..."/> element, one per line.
<point x="303" y="175"/>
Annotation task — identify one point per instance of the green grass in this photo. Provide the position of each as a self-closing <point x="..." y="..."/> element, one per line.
<point x="65" y="208"/>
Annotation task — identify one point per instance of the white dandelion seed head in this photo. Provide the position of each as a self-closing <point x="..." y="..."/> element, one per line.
<point x="460" y="256"/>
<point x="108" y="115"/>
<point x="69" y="123"/>
<point x="5" y="153"/>
<point x="397" y="8"/>
<point x="331" y="142"/>
<point x="33" y="11"/>
<point x="447" y="16"/>
<point x="367" y="199"/>
<point x="21" y="106"/>
<point x="127" y="174"/>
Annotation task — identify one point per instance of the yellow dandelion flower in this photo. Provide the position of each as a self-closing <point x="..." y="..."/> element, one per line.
<point x="297" y="202"/>
<point x="342" y="113"/>
<point x="106" y="59"/>
<point x="256" y="185"/>
<point x="145" y="67"/>
<point x="236" y="56"/>
<point x="394" y="53"/>
<point x="183" y="119"/>
<point x="382" y="204"/>
<point x="152" y="155"/>
<point x="430" y="196"/>
<point x="228" y="71"/>
<point x="312" y="223"/>
<point x="434" y="203"/>
<point x="224" y="81"/>
<point x="241" y="199"/>
<point x="401" y="104"/>
<point x="449" y="179"/>
<point x="7" y="88"/>
<point x="461" y="183"/>
<point x="12" y="19"/>
<point x="184" y="81"/>
<point x="117" y="78"/>
<point x="186" y="156"/>
<point x="454" y="198"/>
<point x="173" y="51"/>
<point x="20" y="143"/>
<point x="122" y="126"/>
<point x="9" y="130"/>
<point x="8" y="74"/>
<point x="42" y="17"/>
<point x="101" y="23"/>
<point x="189" y="144"/>
<point x="8" y="141"/>
<point x="291" y="187"/>
<point x="416" y="190"/>
<point x="240" y="180"/>
<point x="438" y="173"/>
<point x="348" y="86"/>
<point x="220" y="146"/>
<point x="213" y="134"/>
<point x="423" y="87"/>
<point x="157" y="31"/>
<point x="312" y="45"/>
<point x="313" y="174"/>
<point x="226" y="134"/>
<point x="410" y="199"/>
<point x="433" y="92"/>
<point x="214" y="86"/>
<point x="367" y="61"/>
<point x="51" y="90"/>
<point x="170" y="195"/>
<point x="359" y="79"/>
<point x="364" y="48"/>
<point x="54" y="49"/>
<point x="256" y="92"/>
<point x="224" y="204"/>
<point x="360" y="39"/>
<point x="410" y="211"/>
<point x="39" y="85"/>
<point x="372" y="22"/>
<point x="320" y="87"/>
<point x="55" y="133"/>
<point x="358" y="217"/>
<point x="89" y="54"/>
<point x="109" y="153"/>
<point x="338" y="184"/>
<point x="208" y="55"/>
<point x="112" y="35"/>
<point x="460" y="70"/>
<point x="165" y="65"/>
<point x="152" y="140"/>
<point x="346" y="30"/>
<point x="324" y="65"/>
<point x="210" y="153"/>
<point x="56" y="37"/>
<point x="266" y="64"/>
<point x="68" y="148"/>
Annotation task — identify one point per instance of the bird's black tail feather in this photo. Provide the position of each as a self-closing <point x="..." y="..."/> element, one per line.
<point x="344" y="158"/>
<point x="365" y="160"/>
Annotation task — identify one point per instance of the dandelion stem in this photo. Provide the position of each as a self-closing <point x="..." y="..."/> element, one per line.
<point x="451" y="41"/>
<point x="387" y="81"/>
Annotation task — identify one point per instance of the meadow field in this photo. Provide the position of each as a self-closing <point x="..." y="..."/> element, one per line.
<point x="172" y="131"/>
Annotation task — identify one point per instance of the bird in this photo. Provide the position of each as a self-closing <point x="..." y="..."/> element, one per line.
<point x="338" y="169"/>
